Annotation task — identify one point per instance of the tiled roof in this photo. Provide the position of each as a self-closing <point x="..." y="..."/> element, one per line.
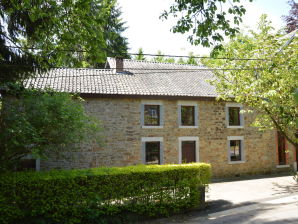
<point x="140" y="78"/>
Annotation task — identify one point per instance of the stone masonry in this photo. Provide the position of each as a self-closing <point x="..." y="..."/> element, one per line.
<point x="122" y="133"/>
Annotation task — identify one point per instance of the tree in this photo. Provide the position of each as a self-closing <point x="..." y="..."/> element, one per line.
<point x="191" y="59"/>
<point x="39" y="122"/>
<point x="268" y="84"/>
<point x="56" y="33"/>
<point x="205" y="20"/>
<point x="117" y="45"/>
<point x="161" y="58"/>
<point x="292" y="19"/>
<point x="140" y="55"/>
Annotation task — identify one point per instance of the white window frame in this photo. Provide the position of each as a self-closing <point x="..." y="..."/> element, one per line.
<point x="188" y="138"/>
<point x="152" y="139"/>
<point x="161" y="113"/>
<point x="241" y="115"/>
<point x="241" y="138"/>
<point x="188" y="103"/>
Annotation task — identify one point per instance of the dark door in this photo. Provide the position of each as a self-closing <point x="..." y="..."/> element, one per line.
<point x="281" y="142"/>
<point x="188" y="151"/>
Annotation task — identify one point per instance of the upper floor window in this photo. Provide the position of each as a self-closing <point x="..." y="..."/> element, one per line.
<point x="187" y="114"/>
<point x="151" y="113"/>
<point x="234" y="115"/>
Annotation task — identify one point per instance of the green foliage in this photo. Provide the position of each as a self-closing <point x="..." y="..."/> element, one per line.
<point x="140" y="55"/>
<point x="205" y="20"/>
<point x="91" y="195"/>
<point x="267" y="85"/>
<point x="38" y="122"/>
<point x="162" y="59"/>
<point x="191" y="60"/>
<point x="57" y="33"/>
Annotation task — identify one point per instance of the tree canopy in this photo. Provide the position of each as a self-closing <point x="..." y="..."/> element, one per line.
<point x="207" y="22"/>
<point x="292" y="19"/>
<point x="267" y="84"/>
<point x="41" y="122"/>
<point x="56" y="33"/>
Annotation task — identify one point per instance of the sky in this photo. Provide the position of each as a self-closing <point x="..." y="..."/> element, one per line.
<point x="147" y="31"/>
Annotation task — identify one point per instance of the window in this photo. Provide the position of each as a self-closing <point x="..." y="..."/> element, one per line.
<point x="188" y="149"/>
<point x="29" y="163"/>
<point x="187" y="115"/>
<point x="235" y="149"/>
<point x="234" y="116"/>
<point x="152" y="150"/>
<point x="151" y="115"/>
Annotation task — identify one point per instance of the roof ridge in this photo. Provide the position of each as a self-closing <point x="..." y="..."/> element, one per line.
<point x="167" y="63"/>
<point x="65" y="68"/>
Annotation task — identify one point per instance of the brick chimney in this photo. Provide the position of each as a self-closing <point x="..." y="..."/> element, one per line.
<point x="119" y="64"/>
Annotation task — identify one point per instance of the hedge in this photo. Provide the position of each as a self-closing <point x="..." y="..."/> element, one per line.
<point x="88" y="195"/>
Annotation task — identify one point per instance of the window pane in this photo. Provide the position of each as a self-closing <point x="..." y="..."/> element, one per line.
<point x="152" y="152"/>
<point x="234" y="116"/>
<point x="188" y="115"/>
<point x="151" y="115"/>
<point x="235" y="150"/>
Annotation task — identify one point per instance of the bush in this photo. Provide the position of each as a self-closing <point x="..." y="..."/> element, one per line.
<point x="90" y="195"/>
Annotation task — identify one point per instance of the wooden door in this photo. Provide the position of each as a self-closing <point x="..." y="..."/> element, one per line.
<point x="188" y="151"/>
<point x="281" y="142"/>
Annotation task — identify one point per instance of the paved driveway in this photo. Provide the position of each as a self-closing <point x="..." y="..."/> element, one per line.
<point x="259" y="200"/>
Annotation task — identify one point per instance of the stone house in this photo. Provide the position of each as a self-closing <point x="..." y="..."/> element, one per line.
<point x="163" y="113"/>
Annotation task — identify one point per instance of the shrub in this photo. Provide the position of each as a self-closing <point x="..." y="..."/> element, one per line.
<point x="89" y="195"/>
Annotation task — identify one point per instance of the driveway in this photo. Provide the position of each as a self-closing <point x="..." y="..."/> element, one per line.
<point x="259" y="200"/>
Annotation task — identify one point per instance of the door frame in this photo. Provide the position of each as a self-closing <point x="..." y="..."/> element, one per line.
<point x="188" y="138"/>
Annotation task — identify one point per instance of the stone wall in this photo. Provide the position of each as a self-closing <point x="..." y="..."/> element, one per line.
<point x="121" y="120"/>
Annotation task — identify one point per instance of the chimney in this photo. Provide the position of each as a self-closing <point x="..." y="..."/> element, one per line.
<point x="119" y="64"/>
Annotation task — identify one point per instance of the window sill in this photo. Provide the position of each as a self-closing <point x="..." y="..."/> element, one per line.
<point x="152" y="126"/>
<point x="283" y="166"/>
<point x="188" y="126"/>
<point x="241" y="126"/>
<point x="236" y="162"/>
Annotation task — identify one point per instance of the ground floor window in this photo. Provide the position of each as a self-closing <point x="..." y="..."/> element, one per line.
<point x="152" y="150"/>
<point x="235" y="149"/>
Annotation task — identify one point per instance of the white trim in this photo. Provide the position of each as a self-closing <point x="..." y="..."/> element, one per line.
<point x="283" y="166"/>
<point x="188" y="138"/>
<point x="37" y="164"/>
<point x="152" y="139"/>
<point x="241" y="138"/>
<point x="236" y="162"/>
<point x="196" y="113"/>
<point x="188" y="126"/>
<point x="161" y="113"/>
<point x="235" y="138"/>
<point x="152" y="126"/>
<point x="241" y="115"/>
<point x="295" y="166"/>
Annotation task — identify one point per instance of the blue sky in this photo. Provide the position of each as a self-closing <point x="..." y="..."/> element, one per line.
<point x="146" y="30"/>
